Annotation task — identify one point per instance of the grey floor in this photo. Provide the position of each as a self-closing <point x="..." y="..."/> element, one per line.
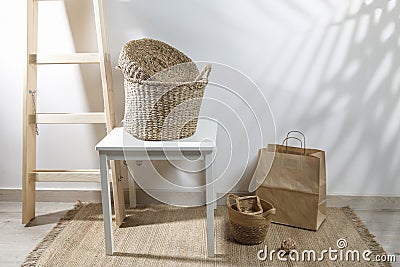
<point x="18" y="240"/>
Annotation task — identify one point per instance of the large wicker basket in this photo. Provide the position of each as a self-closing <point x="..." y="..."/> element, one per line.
<point x="163" y="90"/>
<point x="249" y="227"/>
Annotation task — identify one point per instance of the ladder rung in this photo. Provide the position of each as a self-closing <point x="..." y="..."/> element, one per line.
<point x="74" y="58"/>
<point x="68" y="118"/>
<point x="65" y="176"/>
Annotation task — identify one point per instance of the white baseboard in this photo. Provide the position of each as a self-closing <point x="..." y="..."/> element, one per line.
<point x="191" y="198"/>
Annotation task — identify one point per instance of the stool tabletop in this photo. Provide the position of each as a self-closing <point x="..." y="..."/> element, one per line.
<point x="203" y="140"/>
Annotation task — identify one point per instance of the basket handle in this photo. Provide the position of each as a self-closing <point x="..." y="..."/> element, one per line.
<point x="234" y="197"/>
<point x="237" y="198"/>
<point x="204" y="73"/>
<point x="250" y="197"/>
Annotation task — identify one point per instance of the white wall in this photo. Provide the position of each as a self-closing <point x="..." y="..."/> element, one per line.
<point x="328" y="68"/>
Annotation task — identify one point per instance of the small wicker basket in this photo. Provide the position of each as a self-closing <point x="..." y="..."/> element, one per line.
<point x="247" y="204"/>
<point x="163" y="90"/>
<point x="249" y="227"/>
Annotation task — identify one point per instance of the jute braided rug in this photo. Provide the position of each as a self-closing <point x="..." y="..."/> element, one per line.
<point x="159" y="235"/>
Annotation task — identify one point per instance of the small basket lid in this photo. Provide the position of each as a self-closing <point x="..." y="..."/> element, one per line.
<point x="145" y="59"/>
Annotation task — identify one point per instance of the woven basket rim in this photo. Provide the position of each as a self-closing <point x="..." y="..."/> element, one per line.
<point x="201" y="78"/>
<point x="250" y="214"/>
<point x="149" y="82"/>
<point x="142" y="44"/>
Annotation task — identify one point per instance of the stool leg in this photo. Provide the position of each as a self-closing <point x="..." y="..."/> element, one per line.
<point x="106" y="202"/>
<point x="213" y="184"/>
<point x="132" y="192"/>
<point x="215" y="198"/>
<point x="210" y="208"/>
<point x="118" y="192"/>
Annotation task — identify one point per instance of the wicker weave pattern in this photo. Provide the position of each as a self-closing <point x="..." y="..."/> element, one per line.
<point x="248" y="235"/>
<point x="157" y="112"/>
<point x="163" y="91"/>
<point x="248" y="228"/>
<point x="142" y="59"/>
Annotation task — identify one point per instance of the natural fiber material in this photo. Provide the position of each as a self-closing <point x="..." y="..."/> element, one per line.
<point x="143" y="58"/>
<point x="247" y="204"/>
<point x="249" y="228"/>
<point x="163" y="90"/>
<point x="288" y="245"/>
<point x="158" y="235"/>
<point x="32" y="258"/>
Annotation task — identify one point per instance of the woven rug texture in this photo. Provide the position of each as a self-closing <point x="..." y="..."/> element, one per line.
<point x="160" y="235"/>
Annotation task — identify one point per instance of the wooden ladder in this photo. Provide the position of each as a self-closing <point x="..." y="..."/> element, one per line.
<point x="30" y="175"/>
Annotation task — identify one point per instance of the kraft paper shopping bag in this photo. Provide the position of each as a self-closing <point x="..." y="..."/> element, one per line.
<point x="295" y="184"/>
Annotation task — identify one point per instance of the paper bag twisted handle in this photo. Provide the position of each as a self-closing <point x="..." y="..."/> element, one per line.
<point x="304" y="137"/>
<point x="298" y="139"/>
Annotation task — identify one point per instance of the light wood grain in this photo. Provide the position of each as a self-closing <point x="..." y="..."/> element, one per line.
<point x="108" y="96"/>
<point x="68" y="118"/>
<point x="74" y="58"/>
<point x="132" y="193"/>
<point x="28" y="130"/>
<point x="65" y="176"/>
<point x="31" y="119"/>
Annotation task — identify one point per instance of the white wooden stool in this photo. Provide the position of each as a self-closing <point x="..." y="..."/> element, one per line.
<point x="119" y="145"/>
